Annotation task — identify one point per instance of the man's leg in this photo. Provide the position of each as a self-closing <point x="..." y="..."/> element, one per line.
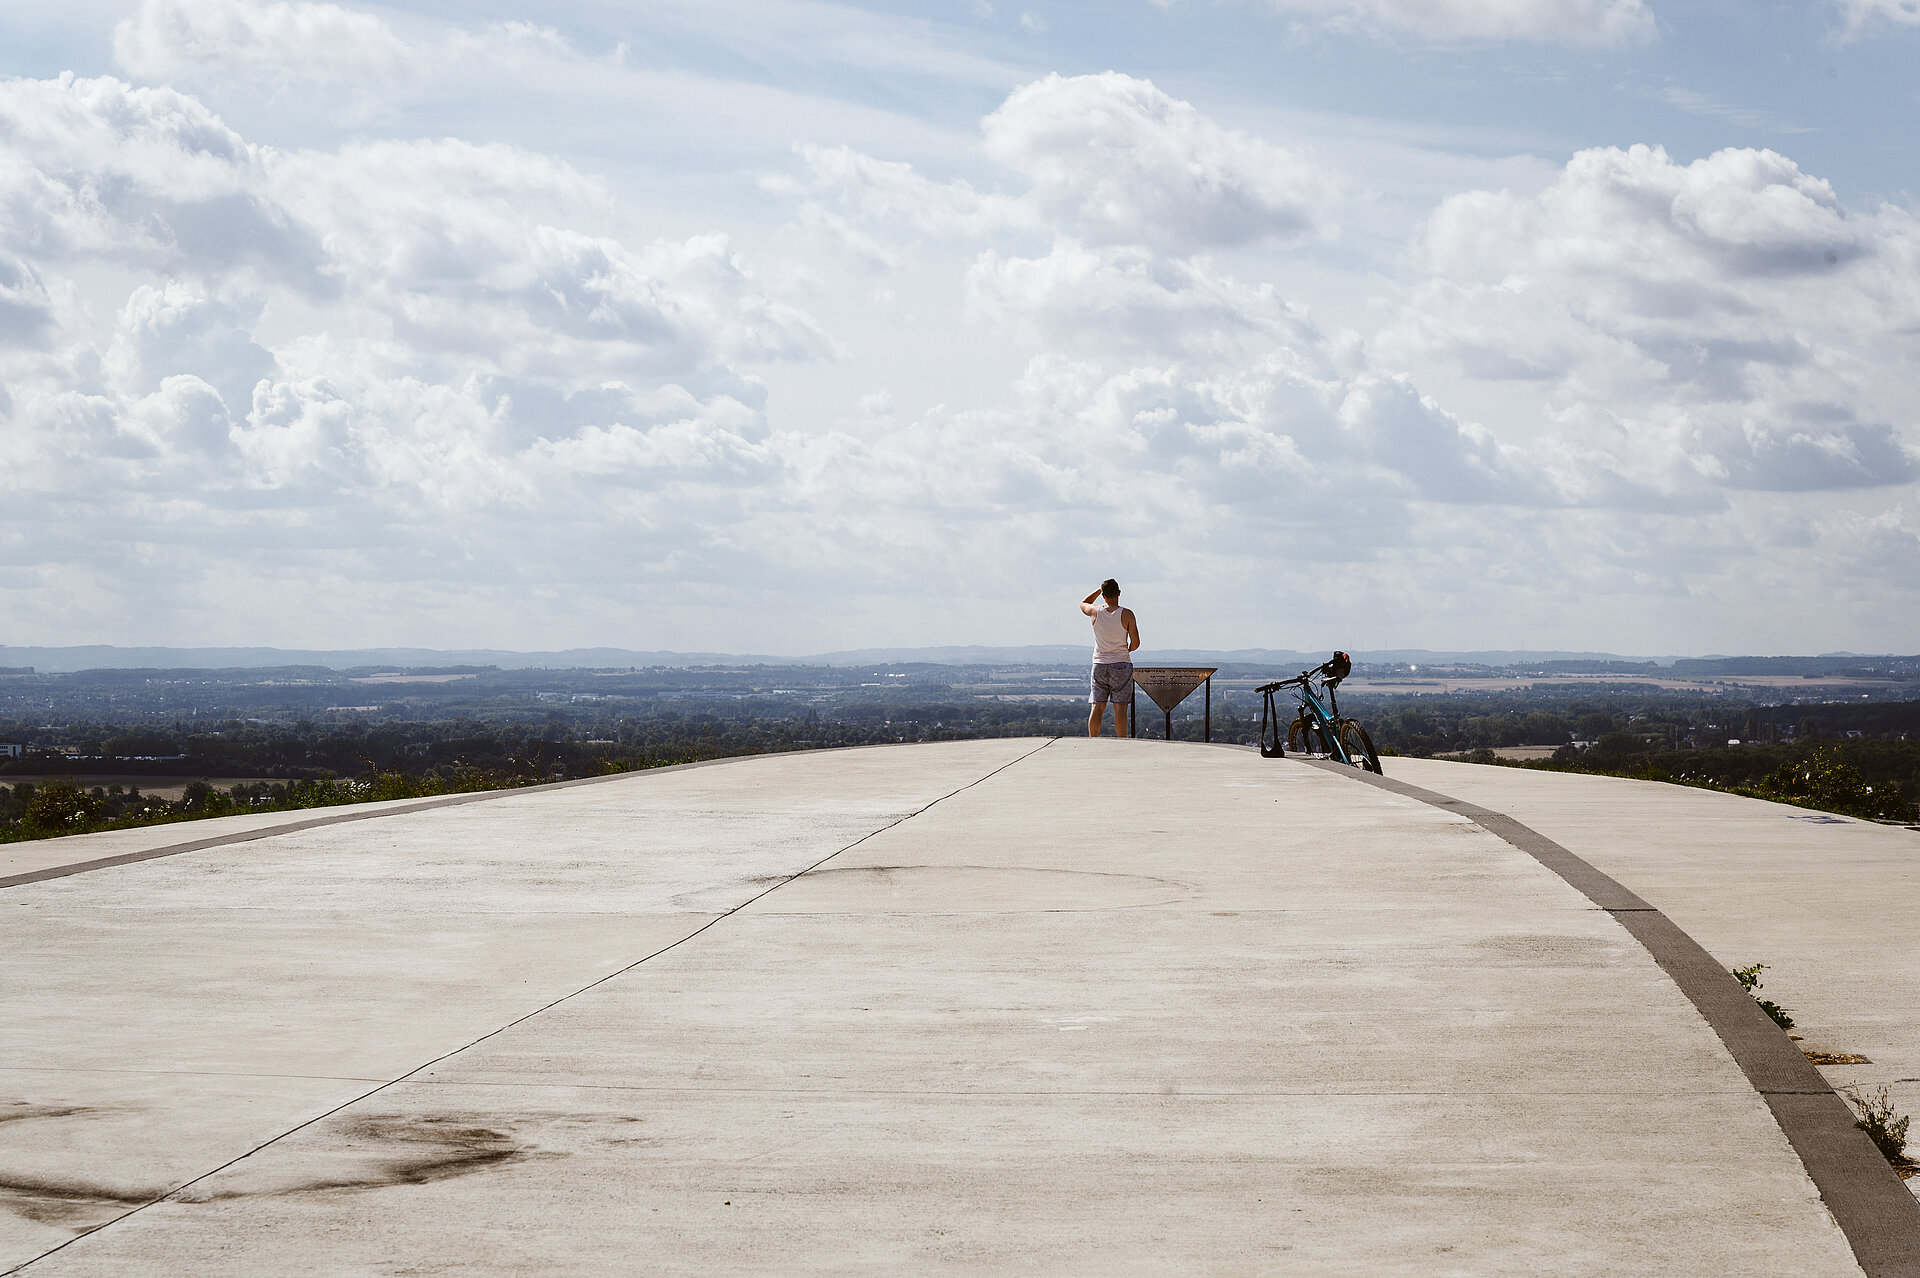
<point x="1093" y="719"/>
<point x="1120" y="688"/>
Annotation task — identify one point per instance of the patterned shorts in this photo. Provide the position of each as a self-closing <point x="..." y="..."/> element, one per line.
<point x="1111" y="681"/>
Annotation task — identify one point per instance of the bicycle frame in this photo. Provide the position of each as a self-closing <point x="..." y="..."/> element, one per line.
<point x="1326" y="714"/>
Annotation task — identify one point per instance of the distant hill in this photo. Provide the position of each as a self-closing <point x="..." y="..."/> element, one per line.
<point x="1832" y="663"/>
<point x="106" y="657"/>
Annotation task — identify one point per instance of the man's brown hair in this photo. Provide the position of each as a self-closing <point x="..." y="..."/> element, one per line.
<point x="1110" y="590"/>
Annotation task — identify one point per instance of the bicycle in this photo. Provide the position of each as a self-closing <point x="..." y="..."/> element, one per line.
<point x="1320" y="728"/>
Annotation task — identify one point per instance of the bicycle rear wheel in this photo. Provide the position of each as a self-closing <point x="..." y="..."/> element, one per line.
<point x="1306" y="736"/>
<point x="1360" y="746"/>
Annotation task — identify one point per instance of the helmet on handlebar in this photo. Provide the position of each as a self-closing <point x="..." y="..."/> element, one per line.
<point x="1338" y="667"/>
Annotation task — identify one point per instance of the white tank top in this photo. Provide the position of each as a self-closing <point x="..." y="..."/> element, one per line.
<point x="1109" y="637"/>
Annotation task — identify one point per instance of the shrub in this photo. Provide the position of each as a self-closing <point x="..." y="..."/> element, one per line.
<point x="58" y="807"/>
<point x="1822" y="780"/>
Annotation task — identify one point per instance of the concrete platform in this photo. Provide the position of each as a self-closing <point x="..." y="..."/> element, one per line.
<point x="1071" y="1007"/>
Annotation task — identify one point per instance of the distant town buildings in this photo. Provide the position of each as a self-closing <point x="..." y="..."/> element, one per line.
<point x="8" y="750"/>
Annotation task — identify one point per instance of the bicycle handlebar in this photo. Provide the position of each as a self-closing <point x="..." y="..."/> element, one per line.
<point x="1324" y="670"/>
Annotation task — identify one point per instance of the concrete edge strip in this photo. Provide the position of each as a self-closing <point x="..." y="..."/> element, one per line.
<point x="341" y="817"/>
<point x="1876" y="1212"/>
<point x="548" y="1006"/>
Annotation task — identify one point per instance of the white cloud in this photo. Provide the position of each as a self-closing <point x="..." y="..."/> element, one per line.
<point x="1861" y="14"/>
<point x="453" y="245"/>
<point x="514" y="44"/>
<point x="1154" y="370"/>
<point x="325" y="67"/>
<point x="1724" y="323"/>
<point x="188" y="423"/>
<point x="1577" y="22"/>
<point x="842" y="38"/>
<point x="26" y="308"/>
<point x="1702" y="104"/>
<point x="274" y="44"/>
<point x="1127" y="302"/>
<point x="398" y="384"/>
<point x="889" y="191"/>
<point x="380" y="355"/>
<point x="1106" y="159"/>
<point x="1114" y="160"/>
<point x="98" y="169"/>
<point x="177" y="329"/>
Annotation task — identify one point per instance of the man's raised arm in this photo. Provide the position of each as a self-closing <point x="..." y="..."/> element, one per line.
<point x="1086" y="605"/>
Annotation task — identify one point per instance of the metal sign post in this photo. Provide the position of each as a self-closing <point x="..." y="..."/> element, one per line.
<point x="1169" y="686"/>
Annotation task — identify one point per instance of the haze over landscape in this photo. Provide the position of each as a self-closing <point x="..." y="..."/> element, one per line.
<point x="735" y="327"/>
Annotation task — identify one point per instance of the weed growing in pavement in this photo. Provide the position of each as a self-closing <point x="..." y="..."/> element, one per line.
<point x="1877" y="1120"/>
<point x="1749" y="978"/>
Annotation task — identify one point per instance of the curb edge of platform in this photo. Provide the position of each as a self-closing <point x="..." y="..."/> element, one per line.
<point x="1874" y="1209"/>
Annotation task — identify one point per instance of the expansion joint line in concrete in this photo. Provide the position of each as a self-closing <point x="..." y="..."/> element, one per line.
<point x="182" y="1188"/>
<point x="1876" y="1212"/>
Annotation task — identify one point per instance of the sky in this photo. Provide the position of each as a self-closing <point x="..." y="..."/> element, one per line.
<point x="741" y="326"/>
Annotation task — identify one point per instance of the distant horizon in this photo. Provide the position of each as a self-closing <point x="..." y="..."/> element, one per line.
<point x="74" y="658"/>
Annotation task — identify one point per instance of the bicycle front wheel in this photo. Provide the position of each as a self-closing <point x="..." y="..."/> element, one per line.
<point x="1360" y="746"/>
<point x="1305" y="736"/>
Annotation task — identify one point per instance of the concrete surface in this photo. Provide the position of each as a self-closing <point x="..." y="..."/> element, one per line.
<point x="1103" y="1008"/>
<point x="41" y="854"/>
<point x="1827" y="902"/>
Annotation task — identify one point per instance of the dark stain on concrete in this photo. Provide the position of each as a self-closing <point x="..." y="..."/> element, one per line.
<point x="421" y="1150"/>
<point x="61" y="1200"/>
<point x="404" y="1149"/>
<point x="19" y="1111"/>
<point x="73" y="1190"/>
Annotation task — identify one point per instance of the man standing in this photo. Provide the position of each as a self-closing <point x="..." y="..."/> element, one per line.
<point x="1115" y="636"/>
